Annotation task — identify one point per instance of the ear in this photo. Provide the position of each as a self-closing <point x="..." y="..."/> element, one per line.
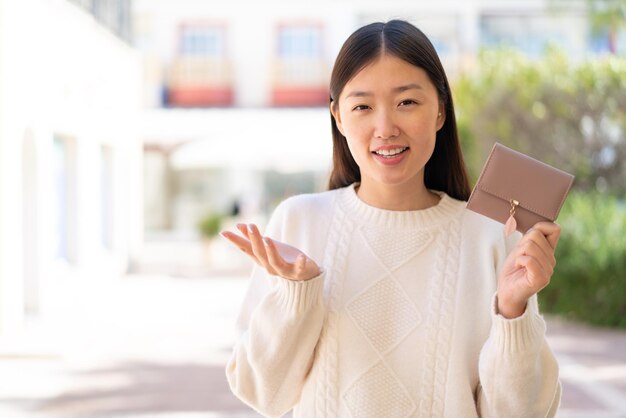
<point x="441" y="116"/>
<point x="334" y="110"/>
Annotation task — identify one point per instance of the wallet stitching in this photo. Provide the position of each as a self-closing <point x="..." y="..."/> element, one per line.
<point x="532" y="209"/>
<point x="480" y="185"/>
<point x="485" y="168"/>
<point x="551" y="217"/>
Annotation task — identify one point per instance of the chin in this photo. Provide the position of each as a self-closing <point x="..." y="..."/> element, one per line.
<point x="394" y="182"/>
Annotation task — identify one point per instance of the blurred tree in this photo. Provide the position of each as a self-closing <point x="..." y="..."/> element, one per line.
<point x="607" y="16"/>
<point x="210" y="225"/>
<point x="568" y="115"/>
<point x="588" y="282"/>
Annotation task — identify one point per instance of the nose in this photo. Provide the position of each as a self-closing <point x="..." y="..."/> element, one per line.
<point x="385" y="126"/>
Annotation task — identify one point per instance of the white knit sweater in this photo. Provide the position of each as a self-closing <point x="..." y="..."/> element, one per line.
<point x="402" y="321"/>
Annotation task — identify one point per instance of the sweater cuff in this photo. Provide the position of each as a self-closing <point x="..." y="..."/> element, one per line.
<point x="518" y="335"/>
<point x="297" y="296"/>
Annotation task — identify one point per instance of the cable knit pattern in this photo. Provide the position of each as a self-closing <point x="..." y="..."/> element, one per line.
<point x="334" y="260"/>
<point x="406" y="326"/>
<point x="446" y="317"/>
<point x="435" y="309"/>
<point x="384" y="324"/>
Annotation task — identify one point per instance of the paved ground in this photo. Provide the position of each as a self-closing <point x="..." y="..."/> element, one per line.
<point x="139" y="346"/>
<point x="155" y="346"/>
<point x="593" y="370"/>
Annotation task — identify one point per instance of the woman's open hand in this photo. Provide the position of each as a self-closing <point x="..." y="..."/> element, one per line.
<point x="278" y="258"/>
<point x="527" y="269"/>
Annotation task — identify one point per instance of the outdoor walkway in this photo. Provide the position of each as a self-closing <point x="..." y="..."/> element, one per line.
<point x="155" y="346"/>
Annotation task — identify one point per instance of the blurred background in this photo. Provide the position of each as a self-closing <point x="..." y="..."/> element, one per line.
<point x="132" y="131"/>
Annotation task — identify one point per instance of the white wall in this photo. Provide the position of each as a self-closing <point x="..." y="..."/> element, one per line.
<point x="10" y="214"/>
<point x="62" y="74"/>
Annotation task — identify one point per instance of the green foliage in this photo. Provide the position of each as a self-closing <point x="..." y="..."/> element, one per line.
<point x="568" y="115"/>
<point x="607" y="14"/>
<point x="589" y="282"/>
<point x="210" y="225"/>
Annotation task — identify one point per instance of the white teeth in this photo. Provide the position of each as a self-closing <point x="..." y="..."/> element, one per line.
<point x="390" y="152"/>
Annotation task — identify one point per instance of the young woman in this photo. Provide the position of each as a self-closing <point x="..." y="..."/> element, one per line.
<point x="384" y="296"/>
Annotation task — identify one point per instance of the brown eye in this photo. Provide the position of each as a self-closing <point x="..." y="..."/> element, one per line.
<point x="407" y="102"/>
<point x="361" y="107"/>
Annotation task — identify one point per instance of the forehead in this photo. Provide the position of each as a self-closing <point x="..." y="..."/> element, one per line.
<point x="386" y="73"/>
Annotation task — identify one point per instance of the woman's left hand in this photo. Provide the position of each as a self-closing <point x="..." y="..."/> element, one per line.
<point x="527" y="269"/>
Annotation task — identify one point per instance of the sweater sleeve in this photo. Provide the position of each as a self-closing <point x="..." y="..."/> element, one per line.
<point x="518" y="372"/>
<point x="280" y="324"/>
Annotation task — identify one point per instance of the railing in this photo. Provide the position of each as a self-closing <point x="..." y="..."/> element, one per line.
<point x="300" y="82"/>
<point x="200" y="81"/>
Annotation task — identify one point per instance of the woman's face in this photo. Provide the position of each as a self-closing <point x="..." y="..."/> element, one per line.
<point x="390" y="114"/>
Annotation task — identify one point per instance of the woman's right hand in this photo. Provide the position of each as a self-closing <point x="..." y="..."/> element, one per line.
<point x="278" y="258"/>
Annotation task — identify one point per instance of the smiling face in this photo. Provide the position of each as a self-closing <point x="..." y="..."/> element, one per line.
<point x="390" y="114"/>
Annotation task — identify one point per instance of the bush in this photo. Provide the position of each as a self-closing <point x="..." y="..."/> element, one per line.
<point x="589" y="282"/>
<point x="210" y="225"/>
<point x="570" y="115"/>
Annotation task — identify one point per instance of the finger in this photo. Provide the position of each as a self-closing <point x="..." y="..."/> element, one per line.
<point x="258" y="248"/>
<point x="242" y="243"/>
<point x="540" y="250"/>
<point x="304" y="268"/>
<point x="536" y="277"/>
<point x="541" y="240"/>
<point x="243" y="228"/>
<point x="550" y="230"/>
<point x="278" y="263"/>
<point x="300" y="263"/>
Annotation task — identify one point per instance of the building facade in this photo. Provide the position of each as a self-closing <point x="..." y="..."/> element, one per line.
<point x="207" y="69"/>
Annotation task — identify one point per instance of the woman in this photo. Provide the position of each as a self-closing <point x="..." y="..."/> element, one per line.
<point x="384" y="296"/>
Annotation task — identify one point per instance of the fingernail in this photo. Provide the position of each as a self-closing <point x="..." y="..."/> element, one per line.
<point x="266" y="241"/>
<point x="250" y="229"/>
<point x="223" y="234"/>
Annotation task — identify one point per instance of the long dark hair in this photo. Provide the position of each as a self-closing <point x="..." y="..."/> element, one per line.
<point x="445" y="171"/>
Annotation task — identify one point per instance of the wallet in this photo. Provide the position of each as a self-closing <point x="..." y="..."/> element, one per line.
<point x="519" y="191"/>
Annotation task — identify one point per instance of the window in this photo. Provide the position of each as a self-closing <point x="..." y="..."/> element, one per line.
<point x="200" y="75"/>
<point x="204" y="41"/>
<point x="300" y="72"/>
<point x="533" y="33"/>
<point x="300" y="42"/>
<point x="107" y="177"/>
<point x="63" y="209"/>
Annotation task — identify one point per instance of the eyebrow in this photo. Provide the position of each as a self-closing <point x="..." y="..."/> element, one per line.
<point x="399" y="89"/>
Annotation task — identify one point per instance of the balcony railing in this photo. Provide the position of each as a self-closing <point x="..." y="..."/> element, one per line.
<point x="300" y="82"/>
<point x="197" y="81"/>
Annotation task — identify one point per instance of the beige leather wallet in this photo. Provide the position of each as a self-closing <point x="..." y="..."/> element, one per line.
<point x="519" y="191"/>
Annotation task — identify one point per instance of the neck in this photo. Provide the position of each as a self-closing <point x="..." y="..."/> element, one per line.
<point x="401" y="197"/>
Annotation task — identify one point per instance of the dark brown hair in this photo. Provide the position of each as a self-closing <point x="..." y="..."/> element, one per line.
<point x="445" y="171"/>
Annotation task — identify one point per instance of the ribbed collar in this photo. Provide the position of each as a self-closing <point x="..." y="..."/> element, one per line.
<point x="442" y="212"/>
